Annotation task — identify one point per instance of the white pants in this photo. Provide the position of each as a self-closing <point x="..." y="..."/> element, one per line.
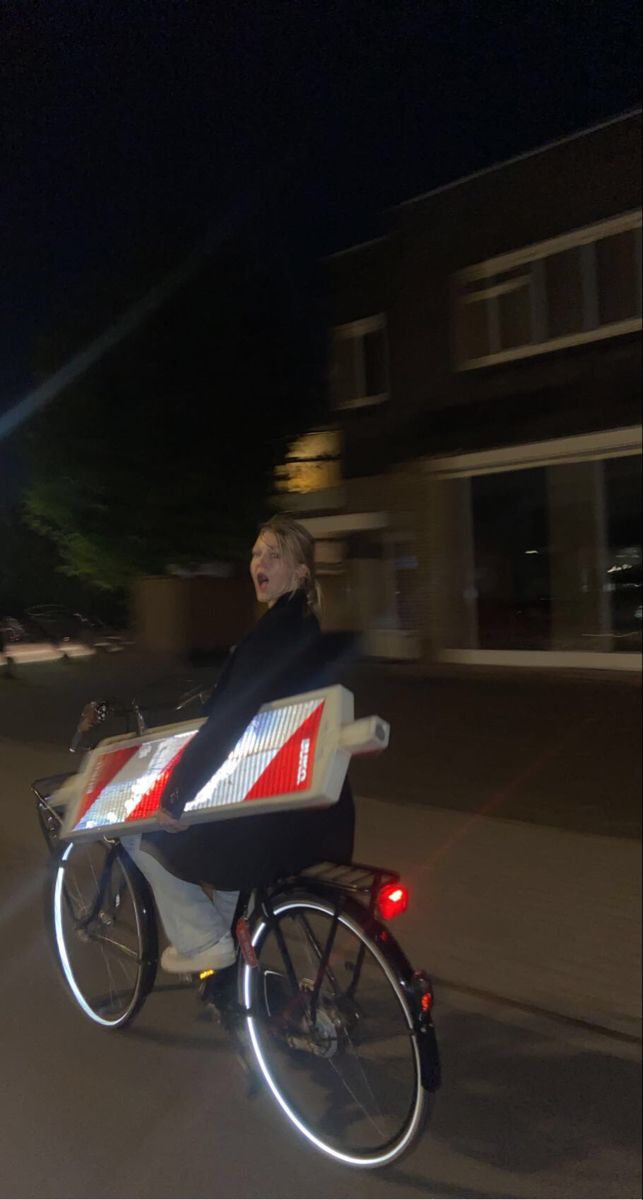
<point x="192" y="922"/>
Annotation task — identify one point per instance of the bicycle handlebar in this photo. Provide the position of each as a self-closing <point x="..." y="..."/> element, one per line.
<point x="98" y="711"/>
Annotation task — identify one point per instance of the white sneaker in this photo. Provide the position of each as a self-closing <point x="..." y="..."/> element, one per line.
<point x="215" y="958"/>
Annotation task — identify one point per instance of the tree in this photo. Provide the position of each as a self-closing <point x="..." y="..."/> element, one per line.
<point x="164" y="452"/>
<point x="30" y="573"/>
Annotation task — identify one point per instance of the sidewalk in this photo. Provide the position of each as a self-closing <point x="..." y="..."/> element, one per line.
<point x="538" y="915"/>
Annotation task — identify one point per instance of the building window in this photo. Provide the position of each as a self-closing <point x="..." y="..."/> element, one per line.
<point x="623" y="570"/>
<point x="511" y="555"/>
<point x="360" y="363"/>
<point x="404" y="569"/>
<point x="557" y="556"/>
<point x="581" y="287"/>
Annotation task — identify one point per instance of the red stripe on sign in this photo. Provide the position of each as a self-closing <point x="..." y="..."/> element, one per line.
<point x="107" y="767"/>
<point x="150" y="801"/>
<point x="292" y="767"/>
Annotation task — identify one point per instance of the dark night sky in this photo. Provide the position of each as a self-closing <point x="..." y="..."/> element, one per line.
<point x="122" y="117"/>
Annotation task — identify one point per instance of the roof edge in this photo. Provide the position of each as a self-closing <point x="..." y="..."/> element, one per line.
<point x="508" y="162"/>
<point x="499" y="166"/>
<point x="357" y="246"/>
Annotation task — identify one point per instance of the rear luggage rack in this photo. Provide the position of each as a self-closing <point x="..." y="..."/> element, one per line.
<point x="349" y="877"/>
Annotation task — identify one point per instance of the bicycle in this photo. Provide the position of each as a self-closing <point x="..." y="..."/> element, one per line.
<point x="322" y="1004"/>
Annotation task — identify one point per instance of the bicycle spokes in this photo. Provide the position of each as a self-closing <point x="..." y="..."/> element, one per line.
<point x="101" y="933"/>
<point x="336" y="1044"/>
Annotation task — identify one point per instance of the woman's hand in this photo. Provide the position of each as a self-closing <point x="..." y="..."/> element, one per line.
<point x="169" y="823"/>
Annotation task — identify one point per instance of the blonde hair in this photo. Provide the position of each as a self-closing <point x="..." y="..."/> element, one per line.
<point x="296" y="543"/>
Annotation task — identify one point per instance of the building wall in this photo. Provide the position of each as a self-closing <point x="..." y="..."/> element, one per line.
<point x="435" y="407"/>
<point x="580" y="181"/>
<point x="440" y="575"/>
<point x="199" y="615"/>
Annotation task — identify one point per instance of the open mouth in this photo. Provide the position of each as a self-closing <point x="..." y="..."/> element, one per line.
<point x="262" y="580"/>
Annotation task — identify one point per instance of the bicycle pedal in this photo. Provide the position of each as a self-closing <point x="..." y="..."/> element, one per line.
<point x="207" y="993"/>
<point x="219" y="987"/>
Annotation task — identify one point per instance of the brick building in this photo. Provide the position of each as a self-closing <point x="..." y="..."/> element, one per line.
<point x="477" y="494"/>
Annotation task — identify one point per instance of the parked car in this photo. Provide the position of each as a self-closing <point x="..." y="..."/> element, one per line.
<point x="67" y="626"/>
<point x="24" y="640"/>
<point x="12" y="631"/>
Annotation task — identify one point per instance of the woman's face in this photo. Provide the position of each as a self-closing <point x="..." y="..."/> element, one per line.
<point x="273" y="574"/>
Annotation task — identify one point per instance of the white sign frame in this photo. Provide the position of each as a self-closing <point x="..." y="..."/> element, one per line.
<point x="337" y="736"/>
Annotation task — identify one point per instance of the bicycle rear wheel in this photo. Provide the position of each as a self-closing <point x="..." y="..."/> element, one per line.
<point x="104" y="931"/>
<point x="346" y="1074"/>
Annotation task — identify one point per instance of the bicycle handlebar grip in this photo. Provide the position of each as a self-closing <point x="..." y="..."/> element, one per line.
<point x="92" y="714"/>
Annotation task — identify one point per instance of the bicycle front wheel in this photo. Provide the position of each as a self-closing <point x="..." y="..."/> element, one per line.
<point x="104" y="931"/>
<point x="343" y="1064"/>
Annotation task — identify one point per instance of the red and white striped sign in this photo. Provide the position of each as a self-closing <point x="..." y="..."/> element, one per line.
<point x="293" y="754"/>
<point x="124" y="782"/>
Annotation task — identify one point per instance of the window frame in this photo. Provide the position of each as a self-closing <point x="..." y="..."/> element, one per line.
<point x="585" y="240"/>
<point x="356" y="331"/>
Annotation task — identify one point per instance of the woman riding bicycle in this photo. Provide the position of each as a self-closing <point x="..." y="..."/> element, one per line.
<point x="322" y="1003"/>
<point x="282" y="656"/>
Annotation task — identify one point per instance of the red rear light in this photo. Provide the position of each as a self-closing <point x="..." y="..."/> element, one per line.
<point x="392" y="899"/>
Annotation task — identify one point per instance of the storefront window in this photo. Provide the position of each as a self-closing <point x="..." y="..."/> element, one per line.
<point x="405" y="582"/>
<point x="511" y="557"/>
<point x="623" y="570"/>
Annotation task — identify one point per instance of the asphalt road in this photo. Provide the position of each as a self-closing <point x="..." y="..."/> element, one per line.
<point x="554" y="749"/>
<point x="531" y="1106"/>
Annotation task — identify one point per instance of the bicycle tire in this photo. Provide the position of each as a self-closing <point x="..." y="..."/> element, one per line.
<point x="108" y="960"/>
<point x="328" y="1115"/>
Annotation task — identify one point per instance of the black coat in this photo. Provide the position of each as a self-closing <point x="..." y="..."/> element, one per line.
<point x="285" y="654"/>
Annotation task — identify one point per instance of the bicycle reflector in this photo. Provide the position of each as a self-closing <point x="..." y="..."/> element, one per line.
<point x="423" y="989"/>
<point x="392" y="899"/>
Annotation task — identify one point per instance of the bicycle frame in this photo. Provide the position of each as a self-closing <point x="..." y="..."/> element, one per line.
<point x="350" y="888"/>
<point x="320" y="990"/>
<point x="51" y="817"/>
